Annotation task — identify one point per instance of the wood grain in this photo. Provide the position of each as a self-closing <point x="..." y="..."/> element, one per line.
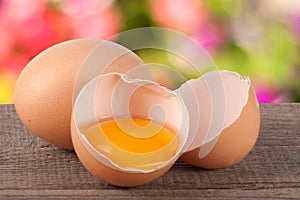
<point x="33" y="169"/>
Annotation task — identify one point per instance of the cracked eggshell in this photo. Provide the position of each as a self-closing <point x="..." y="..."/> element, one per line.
<point x="45" y="88"/>
<point x="115" y="96"/>
<point x="220" y="136"/>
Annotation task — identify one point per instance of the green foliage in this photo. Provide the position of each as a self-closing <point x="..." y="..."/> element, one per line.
<point x="134" y="13"/>
<point x="271" y="61"/>
<point x="223" y="8"/>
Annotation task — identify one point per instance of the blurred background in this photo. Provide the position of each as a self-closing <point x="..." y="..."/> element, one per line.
<point x="257" y="38"/>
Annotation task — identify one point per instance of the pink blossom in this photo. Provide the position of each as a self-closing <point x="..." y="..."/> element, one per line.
<point x="6" y="46"/>
<point x="296" y="25"/>
<point x="16" y="63"/>
<point x="92" y="18"/>
<point x="22" y="23"/>
<point x="210" y="37"/>
<point x="182" y="15"/>
<point x="267" y="95"/>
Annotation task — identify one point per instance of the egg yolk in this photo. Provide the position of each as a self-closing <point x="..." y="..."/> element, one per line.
<point x="133" y="143"/>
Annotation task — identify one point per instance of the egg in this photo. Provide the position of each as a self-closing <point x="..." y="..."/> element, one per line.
<point x="128" y="132"/>
<point x="225" y="119"/>
<point x="45" y="88"/>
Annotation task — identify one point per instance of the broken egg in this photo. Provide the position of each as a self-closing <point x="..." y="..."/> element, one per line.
<point x="128" y="132"/>
<point x="225" y="119"/>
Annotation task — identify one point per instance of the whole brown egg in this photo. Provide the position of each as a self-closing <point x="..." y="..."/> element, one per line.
<point x="43" y="92"/>
<point x="44" y="89"/>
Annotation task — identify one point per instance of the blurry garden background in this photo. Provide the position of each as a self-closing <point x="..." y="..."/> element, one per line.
<point x="257" y="38"/>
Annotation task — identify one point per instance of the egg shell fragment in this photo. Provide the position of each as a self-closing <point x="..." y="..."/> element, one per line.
<point x="115" y="96"/>
<point x="231" y="142"/>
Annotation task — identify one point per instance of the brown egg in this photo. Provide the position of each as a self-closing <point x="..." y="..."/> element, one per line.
<point x="44" y="89"/>
<point x="43" y="92"/>
<point x="240" y="129"/>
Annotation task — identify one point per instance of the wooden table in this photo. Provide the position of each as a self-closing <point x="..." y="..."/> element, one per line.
<point x="33" y="169"/>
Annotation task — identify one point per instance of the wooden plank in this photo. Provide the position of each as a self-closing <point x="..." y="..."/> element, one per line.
<point x="191" y="194"/>
<point x="50" y="168"/>
<point x="280" y="125"/>
<point x="31" y="168"/>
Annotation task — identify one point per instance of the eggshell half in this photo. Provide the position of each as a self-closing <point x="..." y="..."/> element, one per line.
<point x="232" y="141"/>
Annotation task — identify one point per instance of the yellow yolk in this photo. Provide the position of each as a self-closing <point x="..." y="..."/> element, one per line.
<point x="133" y="143"/>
